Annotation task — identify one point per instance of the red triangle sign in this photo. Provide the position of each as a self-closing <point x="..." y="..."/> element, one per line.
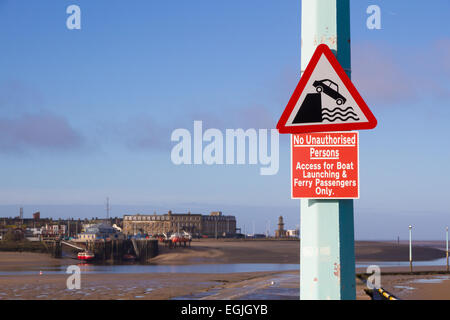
<point x="325" y="100"/>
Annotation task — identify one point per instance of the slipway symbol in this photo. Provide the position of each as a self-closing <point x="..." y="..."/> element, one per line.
<point x="325" y="100"/>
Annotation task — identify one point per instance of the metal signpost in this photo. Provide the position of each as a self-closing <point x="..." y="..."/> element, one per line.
<point x="325" y="100"/>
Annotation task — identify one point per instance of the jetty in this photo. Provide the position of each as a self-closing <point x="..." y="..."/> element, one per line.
<point x="107" y="250"/>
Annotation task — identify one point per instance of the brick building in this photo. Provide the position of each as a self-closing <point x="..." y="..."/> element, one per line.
<point x="214" y="224"/>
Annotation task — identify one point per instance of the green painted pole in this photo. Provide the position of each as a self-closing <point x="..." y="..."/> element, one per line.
<point x="327" y="250"/>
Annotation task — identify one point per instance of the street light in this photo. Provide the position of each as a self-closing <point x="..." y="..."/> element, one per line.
<point x="410" y="248"/>
<point x="446" y="251"/>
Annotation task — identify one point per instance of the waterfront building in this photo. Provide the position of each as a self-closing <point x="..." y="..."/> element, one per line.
<point x="53" y="230"/>
<point x="212" y="225"/>
<point x="295" y="233"/>
<point x="100" y="231"/>
<point x="33" y="234"/>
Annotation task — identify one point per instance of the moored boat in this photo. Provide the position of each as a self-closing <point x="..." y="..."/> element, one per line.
<point x="86" y="255"/>
<point x="128" y="257"/>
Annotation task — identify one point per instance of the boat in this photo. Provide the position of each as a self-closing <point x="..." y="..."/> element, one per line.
<point x="86" y="255"/>
<point x="128" y="257"/>
<point x="187" y="236"/>
<point x="180" y="238"/>
<point x="176" y="237"/>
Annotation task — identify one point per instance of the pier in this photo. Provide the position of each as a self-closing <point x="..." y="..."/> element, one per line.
<point x="54" y="247"/>
<point x="108" y="250"/>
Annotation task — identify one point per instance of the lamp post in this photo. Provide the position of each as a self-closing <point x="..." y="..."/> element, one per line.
<point x="446" y="247"/>
<point x="410" y="248"/>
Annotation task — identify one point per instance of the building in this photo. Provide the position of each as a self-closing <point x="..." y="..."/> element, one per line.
<point x="86" y="226"/>
<point x="212" y="225"/>
<point x="33" y="234"/>
<point x="3" y="231"/>
<point x="100" y="231"/>
<point x="218" y="225"/>
<point x="53" y="230"/>
<point x="280" y="232"/>
<point x="37" y="215"/>
<point x="259" y="236"/>
<point x="295" y="233"/>
<point x="35" y="231"/>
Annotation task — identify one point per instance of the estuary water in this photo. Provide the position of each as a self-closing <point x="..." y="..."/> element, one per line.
<point x="198" y="268"/>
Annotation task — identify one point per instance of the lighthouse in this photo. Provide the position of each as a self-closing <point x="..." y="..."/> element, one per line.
<point x="280" y="232"/>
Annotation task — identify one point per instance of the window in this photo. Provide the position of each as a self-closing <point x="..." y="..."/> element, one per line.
<point x="334" y="86"/>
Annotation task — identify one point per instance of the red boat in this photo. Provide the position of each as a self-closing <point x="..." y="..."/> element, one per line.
<point x="86" y="255"/>
<point x="128" y="257"/>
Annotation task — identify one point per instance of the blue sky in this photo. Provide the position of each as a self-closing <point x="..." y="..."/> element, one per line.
<point x="86" y="114"/>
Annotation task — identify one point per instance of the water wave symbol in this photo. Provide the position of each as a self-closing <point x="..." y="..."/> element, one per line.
<point x="339" y="118"/>
<point x="327" y="113"/>
<point x="337" y="109"/>
<point x="338" y="113"/>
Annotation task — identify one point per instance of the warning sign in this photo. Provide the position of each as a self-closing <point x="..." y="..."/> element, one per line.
<point x="325" y="165"/>
<point x="325" y="100"/>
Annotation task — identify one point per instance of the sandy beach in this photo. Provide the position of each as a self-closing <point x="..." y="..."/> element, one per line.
<point x="223" y="251"/>
<point x="418" y="287"/>
<point x="10" y="261"/>
<point x="118" y="286"/>
<point x="236" y="285"/>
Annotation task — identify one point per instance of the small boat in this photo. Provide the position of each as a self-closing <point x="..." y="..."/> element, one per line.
<point x="86" y="255"/>
<point x="176" y="237"/>
<point x="128" y="257"/>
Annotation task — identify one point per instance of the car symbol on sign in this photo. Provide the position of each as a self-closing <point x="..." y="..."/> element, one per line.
<point x="331" y="89"/>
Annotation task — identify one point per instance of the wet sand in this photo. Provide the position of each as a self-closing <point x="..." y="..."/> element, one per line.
<point x="250" y="285"/>
<point x="159" y="286"/>
<point x="220" y="251"/>
<point x="11" y="261"/>
<point x="264" y="251"/>
<point x="391" y="251"/>
<point x="418" y="287"/>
